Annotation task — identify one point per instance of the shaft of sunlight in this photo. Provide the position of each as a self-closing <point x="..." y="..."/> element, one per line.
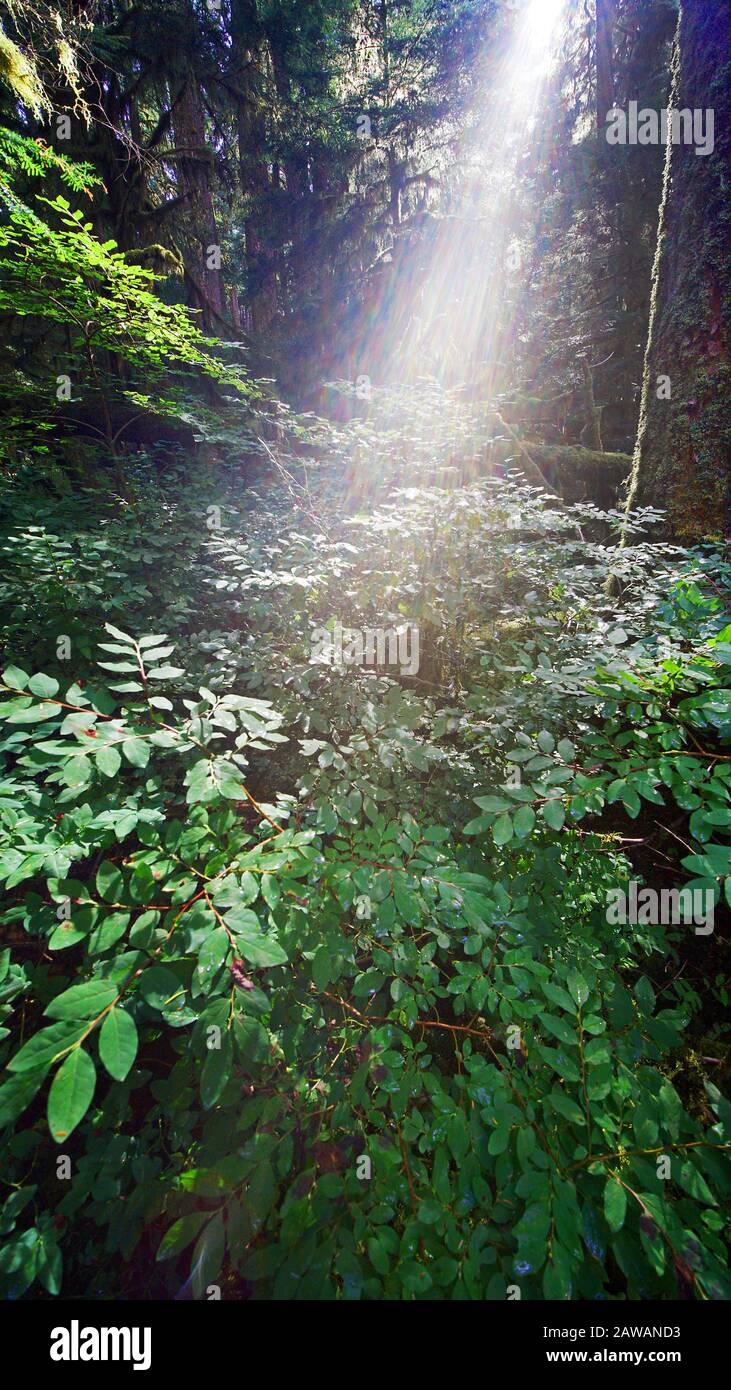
<point x="449" y="297"/>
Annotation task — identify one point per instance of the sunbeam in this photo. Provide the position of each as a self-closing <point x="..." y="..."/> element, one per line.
<point x="444" y="311"/>
<point x="365" y="702"/>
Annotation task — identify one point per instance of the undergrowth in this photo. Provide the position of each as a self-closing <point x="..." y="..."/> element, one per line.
<point x="309" y="986"/>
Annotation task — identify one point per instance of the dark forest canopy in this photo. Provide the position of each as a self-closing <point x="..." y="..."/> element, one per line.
<point x="365" y="709"/>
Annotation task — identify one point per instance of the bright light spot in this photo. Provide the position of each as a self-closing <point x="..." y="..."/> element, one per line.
<point x="536" y="32"/>
<point x="541" y="17"/>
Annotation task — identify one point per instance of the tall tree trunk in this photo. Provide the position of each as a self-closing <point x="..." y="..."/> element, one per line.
<point x="195" y="171"/>
<point x="395" y="170"/>
<point x="247" y="62"/>
<point x="682" y="459"/>
<point x="295" y="167"/>
<point x="604" y="62"/>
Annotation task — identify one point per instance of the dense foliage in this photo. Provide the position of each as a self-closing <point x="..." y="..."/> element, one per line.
<point x="317" y="996"/>
<point x="313" y="979"/>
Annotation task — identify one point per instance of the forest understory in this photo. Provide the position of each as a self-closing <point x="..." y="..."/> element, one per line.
<point x="365" y="611"/>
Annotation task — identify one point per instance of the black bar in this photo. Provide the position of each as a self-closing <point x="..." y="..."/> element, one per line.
<point x="202" y="1339"/>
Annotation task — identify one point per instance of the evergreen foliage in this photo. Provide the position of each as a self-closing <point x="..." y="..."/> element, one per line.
<point x="345" y="979"/>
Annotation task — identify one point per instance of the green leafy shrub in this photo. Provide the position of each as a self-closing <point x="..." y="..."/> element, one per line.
<point x="305" y="1025"/>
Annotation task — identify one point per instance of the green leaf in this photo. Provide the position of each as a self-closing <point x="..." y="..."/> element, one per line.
<point x="77" y="772"/>
<point x="216" y="1071"/>
<point x="118" y="1043"/>
<point x="578" y="987"/>
<point x="476" y="826"/>
<point x="554" y="814"/>
<point x="229" y="780"/>
<point x="18" y="1260"/>
<point x="109" y="881"/>
<point x="108" y="933"/>
<point x="42" y="1049"/>
<point x="158" y="986"/>
<point x="108" y="761"/>
<point x="492" y="804"/>
<point x="136" y="751"/>
<point x="212" y="955"/>
<point x="615" y="1204"/>
<point x="157" y="653"/>
<point x="208" y="1256"/>
<point x="561" y="1029"/>
<point x="120" y="636"/>
<point x="45" y="686"/>
<point x="592" y="1023"/>
<point x="15" y="678"/>
<point x="645" y="995"/>
<point x="566" y="1107"/>
<point x="558" y="996"/>
<point x="693" y="1182"/>
<point x="270" y="890"/>
<point x="524" y="821"/>
<point x="256" y="947"/>
<point x="180" y="1234"/>
<point x="165" y="673"/>
<point x="82" y="1001"/>
<point x="502" y="831"/>
<point x="525" y="1145"/>
<point x="49" y="1265"/>
<point x="241" y="919"/>
<point x="557" y="1274"/>
<point x="378" y="1255"/>
<point x="17" y="1092"/>
<point x="71" y="1094"/>
<point x="249" y="888"/>
<point x="252" y="1039"/>
<point x="36" y="714"/>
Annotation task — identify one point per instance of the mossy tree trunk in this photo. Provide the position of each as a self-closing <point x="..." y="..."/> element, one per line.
<point x="247" y="63"/>
<point x="196" y="174"/>
<point x="682" y="459"/>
